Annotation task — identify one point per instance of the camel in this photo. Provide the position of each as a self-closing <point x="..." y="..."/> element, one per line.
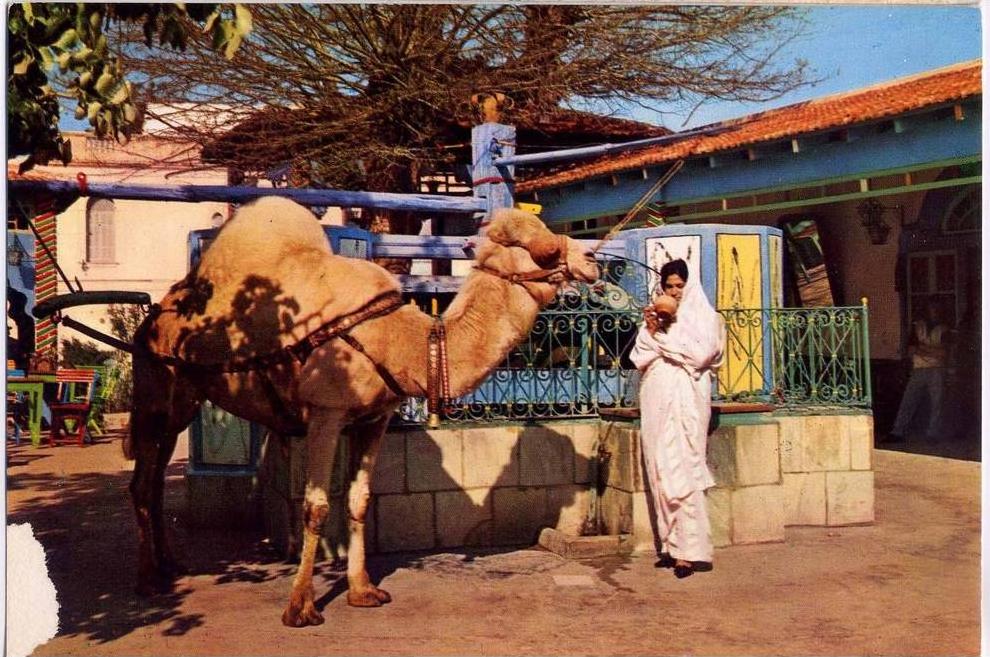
<point x="267" y="285"/>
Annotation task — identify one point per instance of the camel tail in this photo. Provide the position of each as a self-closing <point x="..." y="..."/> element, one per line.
<point x="127" y="444"/>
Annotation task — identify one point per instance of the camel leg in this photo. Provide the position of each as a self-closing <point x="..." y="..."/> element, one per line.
<point x="322" y="434"/>
<point x="156" y="418"/>
<point x="146" y="438"/>
<point x="366" y="443"/>
<point x="183" y="410"/>
<point x="152" y="452"/>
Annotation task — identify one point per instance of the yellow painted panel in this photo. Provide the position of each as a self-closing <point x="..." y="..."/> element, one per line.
<point x="740" y="286"/>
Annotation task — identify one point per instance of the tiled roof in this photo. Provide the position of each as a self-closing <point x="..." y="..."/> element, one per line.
<point x="903" y="95"/>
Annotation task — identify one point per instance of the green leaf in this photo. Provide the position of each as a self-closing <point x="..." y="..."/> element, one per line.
<point x="121" y="93"/>
<point x="222" y="32"/>
<point x="242" y="20"/>
<point x="211" y="20"/>
<point x="92" y="111"/>
<point x="130" y="113"/>
<point x="80" y="112"/>
<point x="47" y="58"/>
<point x="232" y="45"/>
<point x="104" y="83"/>
<point x="21" y="67"/>
<point x="68" y="39"/>
<point x="28" y="12"/>
<point x="81" y="56"/>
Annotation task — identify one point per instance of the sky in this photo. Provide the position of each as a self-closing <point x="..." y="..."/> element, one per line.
<point x="848" y="46"/>
<point x="856" y="46"/>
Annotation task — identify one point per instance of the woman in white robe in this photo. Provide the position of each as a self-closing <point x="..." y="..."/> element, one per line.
<point x="678" y="359"/>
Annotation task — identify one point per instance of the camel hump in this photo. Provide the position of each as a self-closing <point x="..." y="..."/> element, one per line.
<point x="270" y="225"/>
<point x="266" y="282"/>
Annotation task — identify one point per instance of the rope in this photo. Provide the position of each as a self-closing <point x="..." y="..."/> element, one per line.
<point x="641" y="203"/>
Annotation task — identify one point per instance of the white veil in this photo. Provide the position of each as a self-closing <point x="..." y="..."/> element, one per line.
<point x="694" y="341"/>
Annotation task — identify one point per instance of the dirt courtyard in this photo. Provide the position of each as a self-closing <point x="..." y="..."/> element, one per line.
<point x="907" y="585"/>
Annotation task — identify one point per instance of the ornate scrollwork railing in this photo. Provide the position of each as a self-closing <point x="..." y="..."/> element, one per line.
<point x="575" y="361"/>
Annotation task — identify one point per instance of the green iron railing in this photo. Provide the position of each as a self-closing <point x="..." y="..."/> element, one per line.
<point x="793" y="357"/>
<point x="574" y="363"/>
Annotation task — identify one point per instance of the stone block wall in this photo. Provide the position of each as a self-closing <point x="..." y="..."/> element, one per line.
<point x="472" y="486"/>
<point x="827" y="469"/>
<point x="771" y="471"/>
<point x="501" y="484"/>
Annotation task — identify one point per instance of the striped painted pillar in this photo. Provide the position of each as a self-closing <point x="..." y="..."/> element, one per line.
<point x="46" y="280"/>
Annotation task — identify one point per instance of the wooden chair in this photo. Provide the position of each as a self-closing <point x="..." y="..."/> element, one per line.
<point x="16" y="404"/>
<point x="74" y="401"/>
<point x="108" y="378"/>
<point x="16" y="414"/>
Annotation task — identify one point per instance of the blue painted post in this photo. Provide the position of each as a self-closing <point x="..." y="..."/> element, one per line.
<point x="492" y="183"/>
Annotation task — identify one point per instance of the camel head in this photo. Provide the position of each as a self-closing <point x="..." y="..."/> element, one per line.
<point x="521" y="247"/>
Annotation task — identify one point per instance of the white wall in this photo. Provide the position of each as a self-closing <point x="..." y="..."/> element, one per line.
<point x="150" y="237"/>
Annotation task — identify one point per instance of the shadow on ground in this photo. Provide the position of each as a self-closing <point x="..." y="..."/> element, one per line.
<point x="965" y="447"/>
<point x="86" y="524"/>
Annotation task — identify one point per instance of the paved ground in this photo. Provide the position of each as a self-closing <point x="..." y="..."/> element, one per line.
<point x="907" y="585"/>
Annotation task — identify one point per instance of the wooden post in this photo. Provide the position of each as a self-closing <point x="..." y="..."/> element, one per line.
<point x="489" y="141"/>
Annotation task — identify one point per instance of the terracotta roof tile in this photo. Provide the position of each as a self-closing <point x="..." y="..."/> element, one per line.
<point x="945" y="85"/>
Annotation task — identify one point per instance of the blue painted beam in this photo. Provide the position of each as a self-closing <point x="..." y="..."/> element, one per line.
<point x="600" y="149"/>
<point x="222" y="193"/>
<point x="422" y="246"/>
<point x="923" y="142"/>
<point x="453" y="248"/>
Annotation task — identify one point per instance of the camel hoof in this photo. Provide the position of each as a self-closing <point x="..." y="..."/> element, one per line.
<point x="152" y="586"/>
<point x="371" y="597"/>
<point x="301" y="618"/>
<point x="170" y="568"/>
<point x="145" y="589"/>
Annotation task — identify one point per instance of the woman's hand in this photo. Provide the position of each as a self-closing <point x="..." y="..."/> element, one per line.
<point x="651" y="319"/>
<point x="660" y="314"/>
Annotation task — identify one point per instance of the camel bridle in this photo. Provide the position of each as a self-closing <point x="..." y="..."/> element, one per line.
<point x="553" y="275"/>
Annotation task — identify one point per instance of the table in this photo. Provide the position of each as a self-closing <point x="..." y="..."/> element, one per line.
<point x="34" y="386"/>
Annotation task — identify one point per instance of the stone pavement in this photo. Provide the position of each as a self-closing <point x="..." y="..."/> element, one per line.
<point x="907" y="585"/>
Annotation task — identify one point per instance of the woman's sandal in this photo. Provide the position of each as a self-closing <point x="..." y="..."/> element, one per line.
<point x="683" y="569"/>
<point x="666" y="561"/>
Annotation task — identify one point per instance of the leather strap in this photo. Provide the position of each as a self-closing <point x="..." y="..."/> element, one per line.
<point x="437" y="369"/>
<point x="387" y="377"/>
<point x="381" y="305"/>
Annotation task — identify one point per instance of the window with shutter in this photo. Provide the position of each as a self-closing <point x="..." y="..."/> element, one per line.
<point x="100" y="231"/>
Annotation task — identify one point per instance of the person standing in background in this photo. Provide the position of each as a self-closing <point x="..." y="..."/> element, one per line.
<point x="927" y="349"/>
